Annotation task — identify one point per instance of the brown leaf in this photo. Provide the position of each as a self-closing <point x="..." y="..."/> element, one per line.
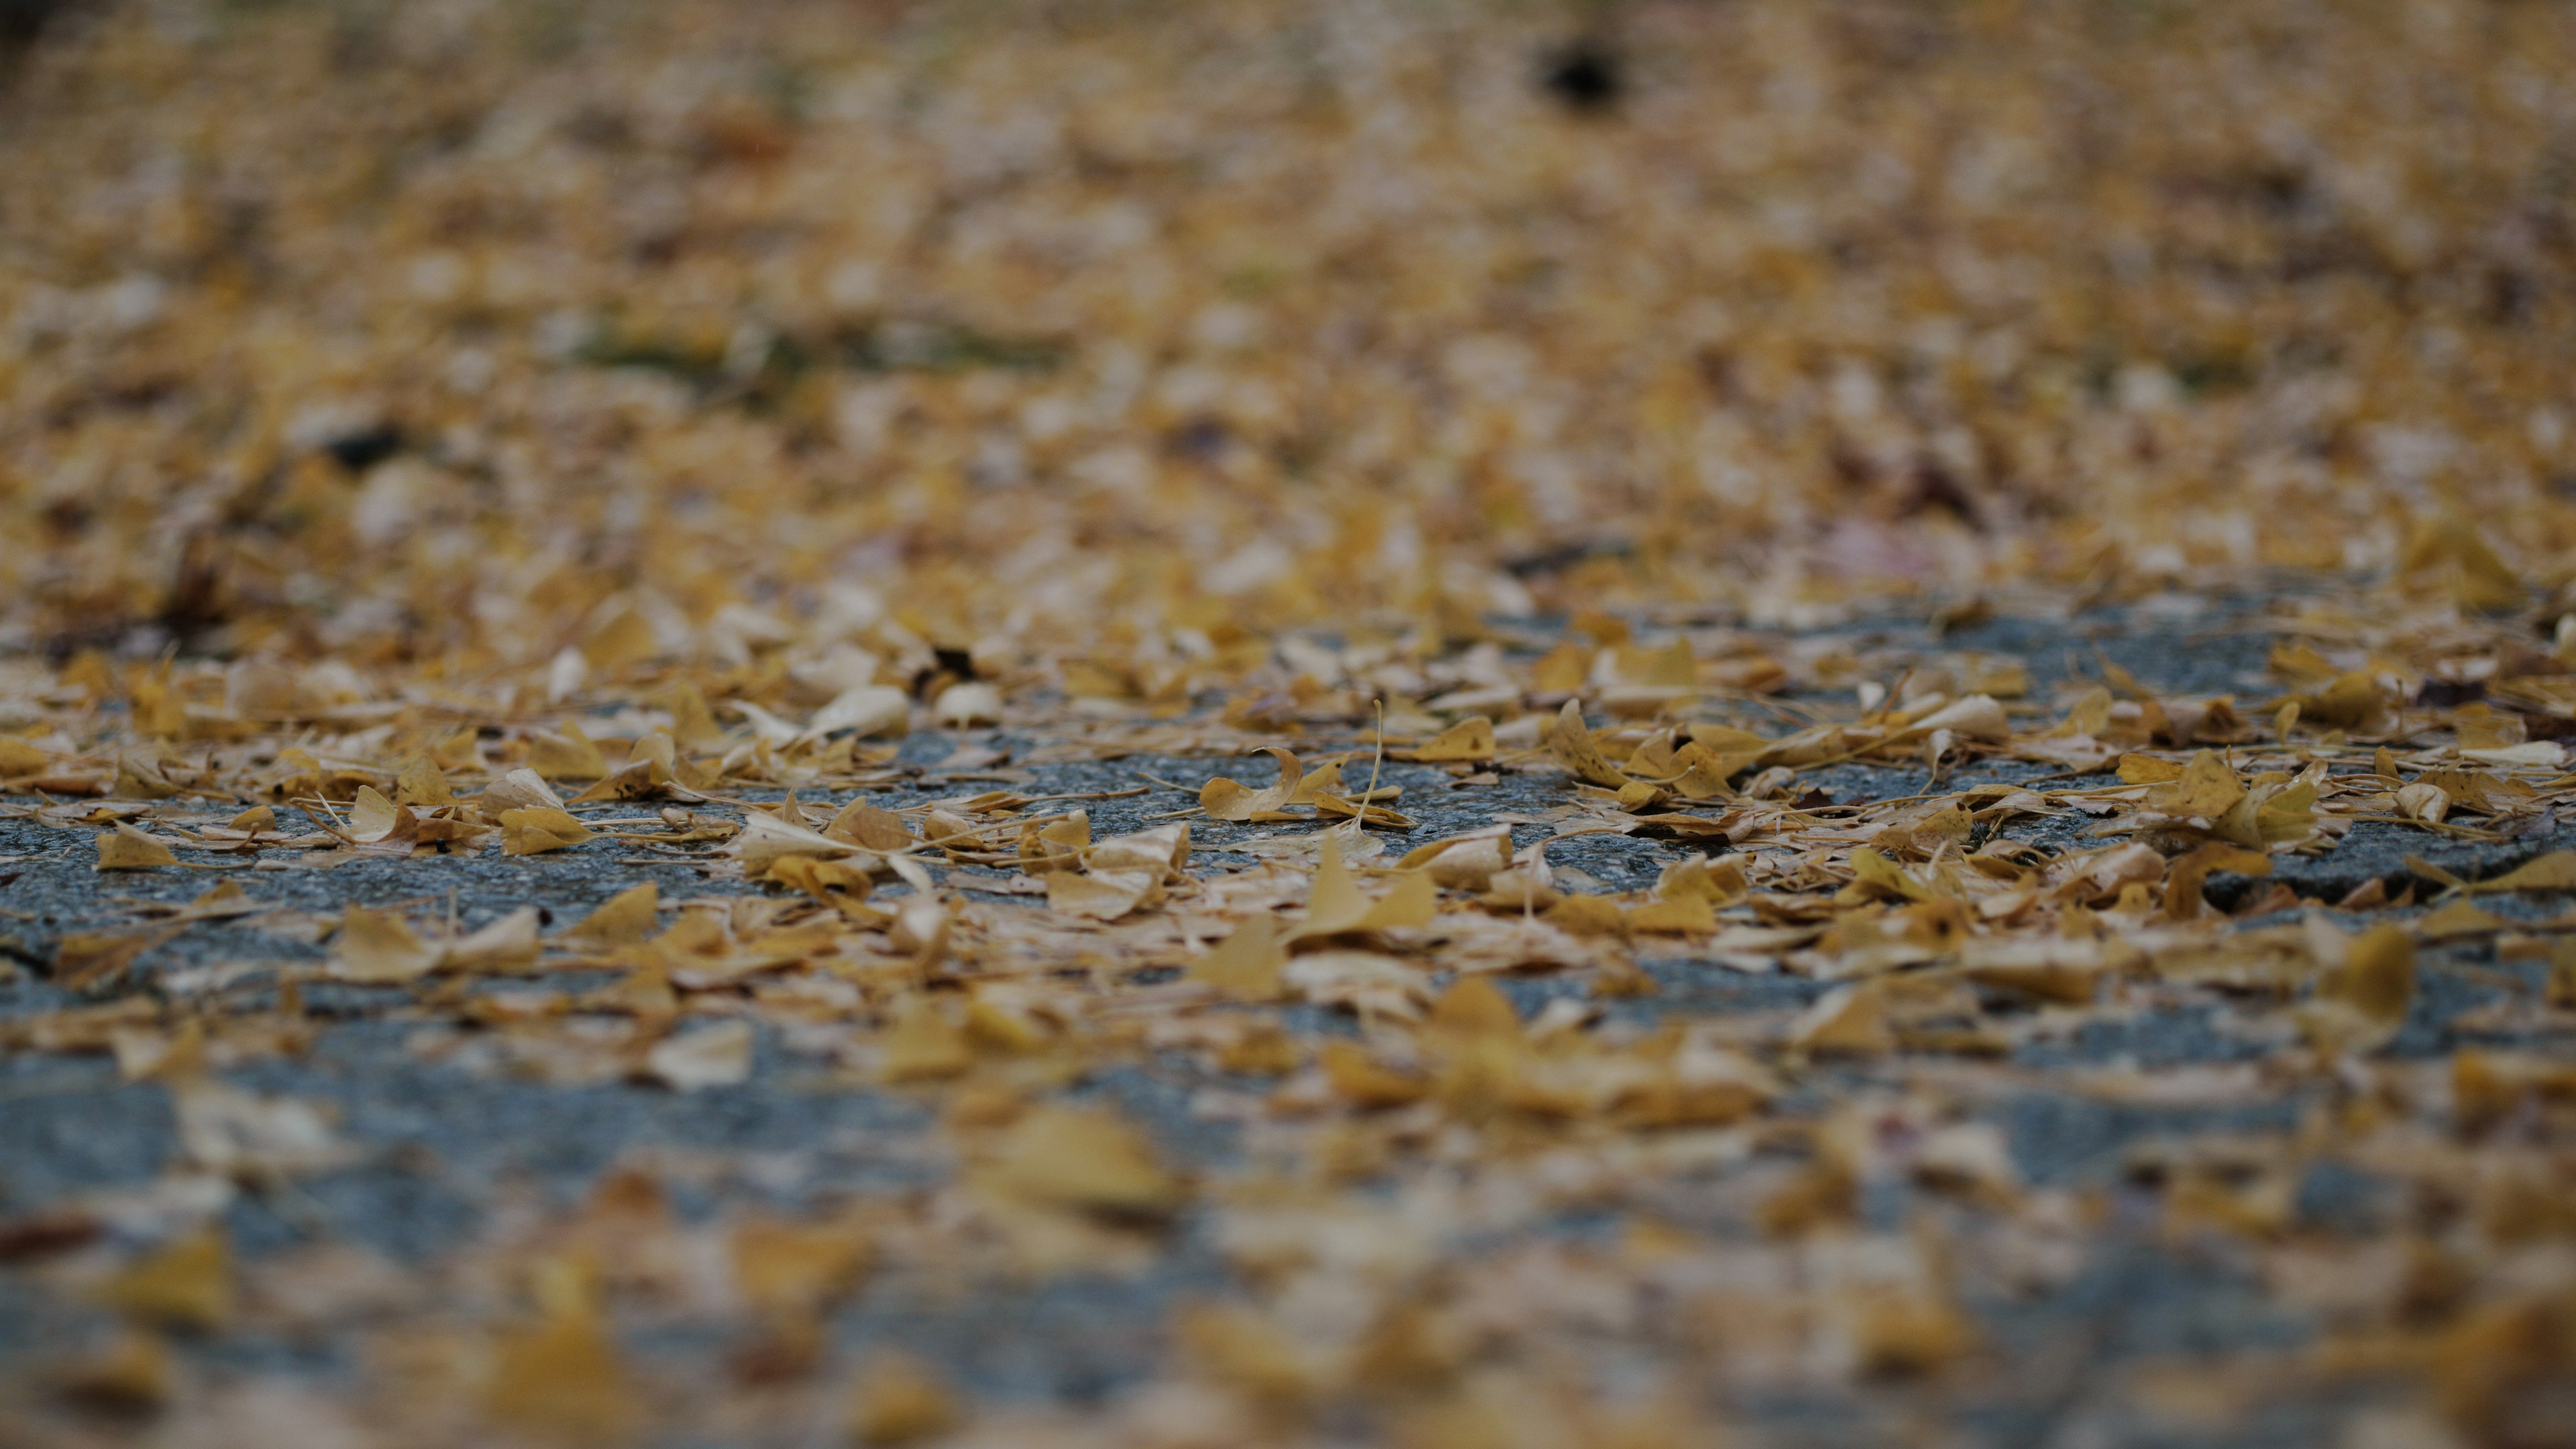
<point x="1571" y="743"/>
<point x="126" y="848"/>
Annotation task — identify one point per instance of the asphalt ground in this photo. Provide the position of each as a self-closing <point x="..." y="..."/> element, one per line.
<point x="442" y="1152"/>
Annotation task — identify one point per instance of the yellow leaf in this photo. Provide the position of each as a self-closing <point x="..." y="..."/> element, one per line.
<point x="629" y="915"/>
<point x="1470" y="739"/>
<point x="2459" y="918"/>
<point x="1163" y="850"/>
<point x="1851" y="1020"/>
<point x="1704" y="774"/>
<point x="1562" y="670"/>
<point x="1475" y="1006"/>
<point x="1719" y="882"/>
<point x="85" y="959"/>
<point x="1337" y="904"/>
<point x="1571" y="743"/>
<point x="568" y="756"/>
<point x="1083" y="1158"/>
<point x="709" y="1056"/>
<point x="1225" y="799"/>
<point x="126" y="848"/>
<point x="421" y="783"/>
<point x="692" y="723"/>
<point x="372" y="817"/>
<point x="1101" y="896"/>
<point x="1679" y="916"/>
<point x="898" y="1400"/>
<point x="2555" y="871"/>
<point x="2147" y="770"/>
<point x="1360" y="1079"/>
<point x="1245" y="965"/>
<point x="378" y="946"/>
<point x="923" y="1044"/>
<point x="508" y="944"/>
<point x="186" y="1283"/>
<point x="562" y="1379"/>
<point x="2205" y="790"/>
<point x="1413" y="902"/>
<point x="870" y="826"/>
<point x="1588" y="916"/>
<point x="766" y="839"/>
<point x="17" y="757"/>
<point x="129" y="1375"/>
<point x="518" y="790"/>
<point x="784" y="1267"/>
<point x="139" y="779"/>
<point x="2377" y="977"/>
<point x="530" y="832"/>
<point x="835" y="883"/>
<point x="1876" y="875"/>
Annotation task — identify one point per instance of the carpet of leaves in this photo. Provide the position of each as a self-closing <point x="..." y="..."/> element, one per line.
<point x="1262" y="724"/>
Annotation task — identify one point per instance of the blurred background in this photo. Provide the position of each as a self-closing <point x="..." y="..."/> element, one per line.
<point x="412" y="333"/>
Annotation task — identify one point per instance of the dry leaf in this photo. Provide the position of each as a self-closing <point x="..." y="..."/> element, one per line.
<point x="1571" y="743"/>
<point x="126" y="848"/>
<point x="185" y="1283"/>
<point x="630" y="915"/>
<point x="531" y="832"/>
<point x="1245" y="966"/>
<point x="1083" y="1158"/>
<point x="707" y="1056"/>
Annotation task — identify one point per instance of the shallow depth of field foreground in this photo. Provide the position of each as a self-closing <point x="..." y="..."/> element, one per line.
<point x="1543" y="725"/>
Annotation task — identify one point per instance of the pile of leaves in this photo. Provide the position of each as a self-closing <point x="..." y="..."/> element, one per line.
<point x="1001" y="551"/>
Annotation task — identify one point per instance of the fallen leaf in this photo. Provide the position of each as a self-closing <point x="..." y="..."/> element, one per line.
<point x="126" y="848"/>
<point x="630" y="915"/>
<point x="707" y="1056"/>
<point x="1571" y="743"/>
<point x="185" y="1283"/>
<point x="380" y="947"/>
<point x="532" y="832"/>
<point x="1245" y="966"/>
<point x="1084" y="1158"/>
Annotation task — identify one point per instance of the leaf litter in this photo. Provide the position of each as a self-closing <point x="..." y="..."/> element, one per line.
<point x="819" y="485"/>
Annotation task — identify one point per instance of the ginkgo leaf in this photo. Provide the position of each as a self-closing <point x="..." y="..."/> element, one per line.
<point x="865" y="710"/>
<point x="2206" y="789"/>
<point x="1245" y="966"/>
<point x="563" y="1379"/>
<point x="630" y="915"/>
<point x="1337" y="904"/>
<point x="869" y="826"/>
<point x="1571" y="743"/>
<point x="2555" y="871"/>
<point x="507" y="944"/>
<point x="1463" y="862"/>
<point x="923" y="1044"/>
<point x="379" y="946"/>
<point x="707" y="1056"/>
<point x="422" y="783"/>
<point x="1225" y="799"/>
<point x="126" y="848"/>
<point x="521" y="789"/>
<point x="766" y="838"/>
<point x="1849" y="1020"/>
<point x="530" y="832"/>
<point x="567" y="756"/>
<point x="1164" y="849"/>
<point x="373" y="817"/>
<point x="1103" y="895"/>
<point x="185" y="1283"/>
<point x="1469" y="740"/>
<point x="1084" y="1158"/>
